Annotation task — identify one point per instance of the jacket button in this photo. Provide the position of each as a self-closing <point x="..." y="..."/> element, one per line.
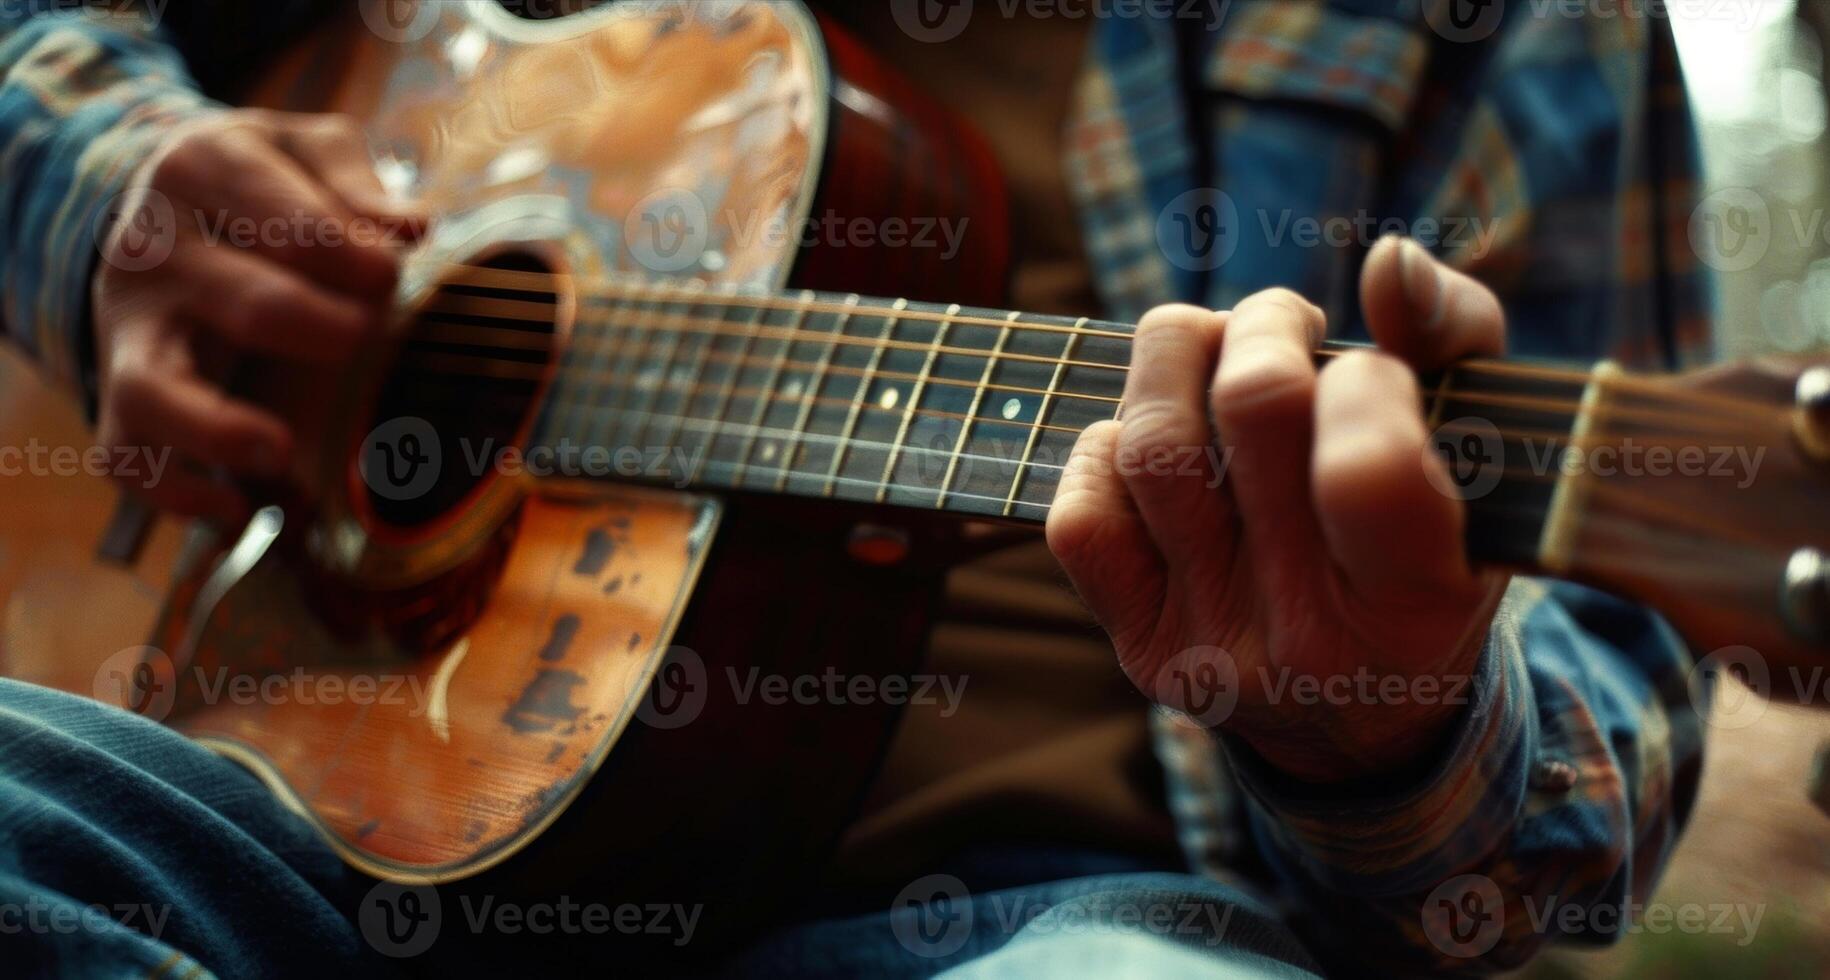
<point x="1553" y="776"/>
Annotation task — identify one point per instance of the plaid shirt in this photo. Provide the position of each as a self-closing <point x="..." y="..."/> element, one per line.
<point x="1553" y="158"/>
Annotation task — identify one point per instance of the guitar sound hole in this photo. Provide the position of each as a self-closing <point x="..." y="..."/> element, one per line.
<point x="464" y="389"/>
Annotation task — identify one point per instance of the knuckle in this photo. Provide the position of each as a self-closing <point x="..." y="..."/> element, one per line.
<point x="1289" y="304"/>
<point x="131" y="390"/>
<point x="1279" y="299"/>
<point x="1151" y="427"/>
<point x="1266" y="385"/>
<point x="1154" y="442"/>
<point x="1170" y="331"/>
<point x="262" y="305"/>
<point x="194" y="155"/>
<point x="1171" y="317"/>
<point x="1099" y="438"/>
<point x="242" y="140"/>
<point x="187" y="162"/>
<point x="340" y="128"/>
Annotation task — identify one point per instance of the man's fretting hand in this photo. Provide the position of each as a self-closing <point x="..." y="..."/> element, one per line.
<point x="251" y="233"/>
<point x="1325" y="551"/>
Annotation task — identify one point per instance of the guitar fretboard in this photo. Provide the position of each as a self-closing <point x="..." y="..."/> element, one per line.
<point x="934" y="407"/>
<point x="906" y="404"/>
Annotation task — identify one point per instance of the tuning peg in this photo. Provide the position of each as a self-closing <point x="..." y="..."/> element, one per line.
<point x="1820" y="780"/>
<point x="1805" y="595"/>
<point x="1811" y="421"/>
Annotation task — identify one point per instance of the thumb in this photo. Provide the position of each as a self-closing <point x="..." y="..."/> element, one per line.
<point x="1425" y="312"/>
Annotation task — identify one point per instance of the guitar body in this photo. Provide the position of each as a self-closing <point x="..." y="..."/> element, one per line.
<point x="435" y="694"/>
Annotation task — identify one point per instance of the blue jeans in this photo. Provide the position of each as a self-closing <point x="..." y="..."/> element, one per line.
<point x="128" y="851"/>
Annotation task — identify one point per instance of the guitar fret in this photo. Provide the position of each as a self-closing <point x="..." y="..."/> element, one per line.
<point x="768" y="393"/>
<point x="1048" y="398"/>
<point x="566" y="411"/>
<point x="978" y="400"/>
<point x="1561" y="522"/>
<point x="598" y="384"/>
<point x="719" y="421"/>
<point x="694" y="380"/>
<point x="863" y="392"/>
<point x="624" y="373"/>
<point x="673" y="333"/>
<point x="816" y="384"/>
<point x="908" y="417"/>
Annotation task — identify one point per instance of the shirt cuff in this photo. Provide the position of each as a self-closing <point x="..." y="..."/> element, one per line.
<point x="76" y="234"/>
<point x="1454" y="812"/>
<point x="87" y="102"/>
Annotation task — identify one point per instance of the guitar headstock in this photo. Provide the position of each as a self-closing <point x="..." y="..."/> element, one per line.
<point x="1707" y="496"/>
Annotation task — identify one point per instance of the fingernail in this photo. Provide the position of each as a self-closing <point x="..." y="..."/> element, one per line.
<point x="1423" y="284"/>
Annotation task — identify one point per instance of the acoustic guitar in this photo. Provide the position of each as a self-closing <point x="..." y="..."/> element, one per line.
<point x="636" y="428"/>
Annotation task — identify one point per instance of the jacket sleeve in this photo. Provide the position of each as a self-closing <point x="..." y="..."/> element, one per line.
<point x="1548" y="817"/>
<point x="84" y="98"/>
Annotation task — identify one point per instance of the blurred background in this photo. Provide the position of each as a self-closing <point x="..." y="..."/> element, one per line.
<point x="1757" y="844"/>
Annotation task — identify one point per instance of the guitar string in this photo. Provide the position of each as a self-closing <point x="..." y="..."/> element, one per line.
<point x="658" y="293"/>
<point x="785" y="471"/>
<point x="1014" y="467"/>
<point x="759" y="396"/>
<point x="574" y="374"/>
<point x="662" y="293"/>
<point x="1621" y="384"/>
<point x="1539" y="472"/>
<point x="766" y="395"/>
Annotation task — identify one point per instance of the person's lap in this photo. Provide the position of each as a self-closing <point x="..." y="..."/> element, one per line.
<point x="127" y="850"/>
<point x="102" y="808"/>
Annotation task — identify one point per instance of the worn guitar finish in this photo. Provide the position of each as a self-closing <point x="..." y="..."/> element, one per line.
<point x="598" y="281"/>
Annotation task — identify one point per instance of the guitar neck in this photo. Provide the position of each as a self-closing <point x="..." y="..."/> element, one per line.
<point x="938" y="408"/>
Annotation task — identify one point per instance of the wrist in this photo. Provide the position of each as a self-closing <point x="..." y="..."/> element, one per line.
<point x="1375" y="726"/>
<point x="1363" y="749"/>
